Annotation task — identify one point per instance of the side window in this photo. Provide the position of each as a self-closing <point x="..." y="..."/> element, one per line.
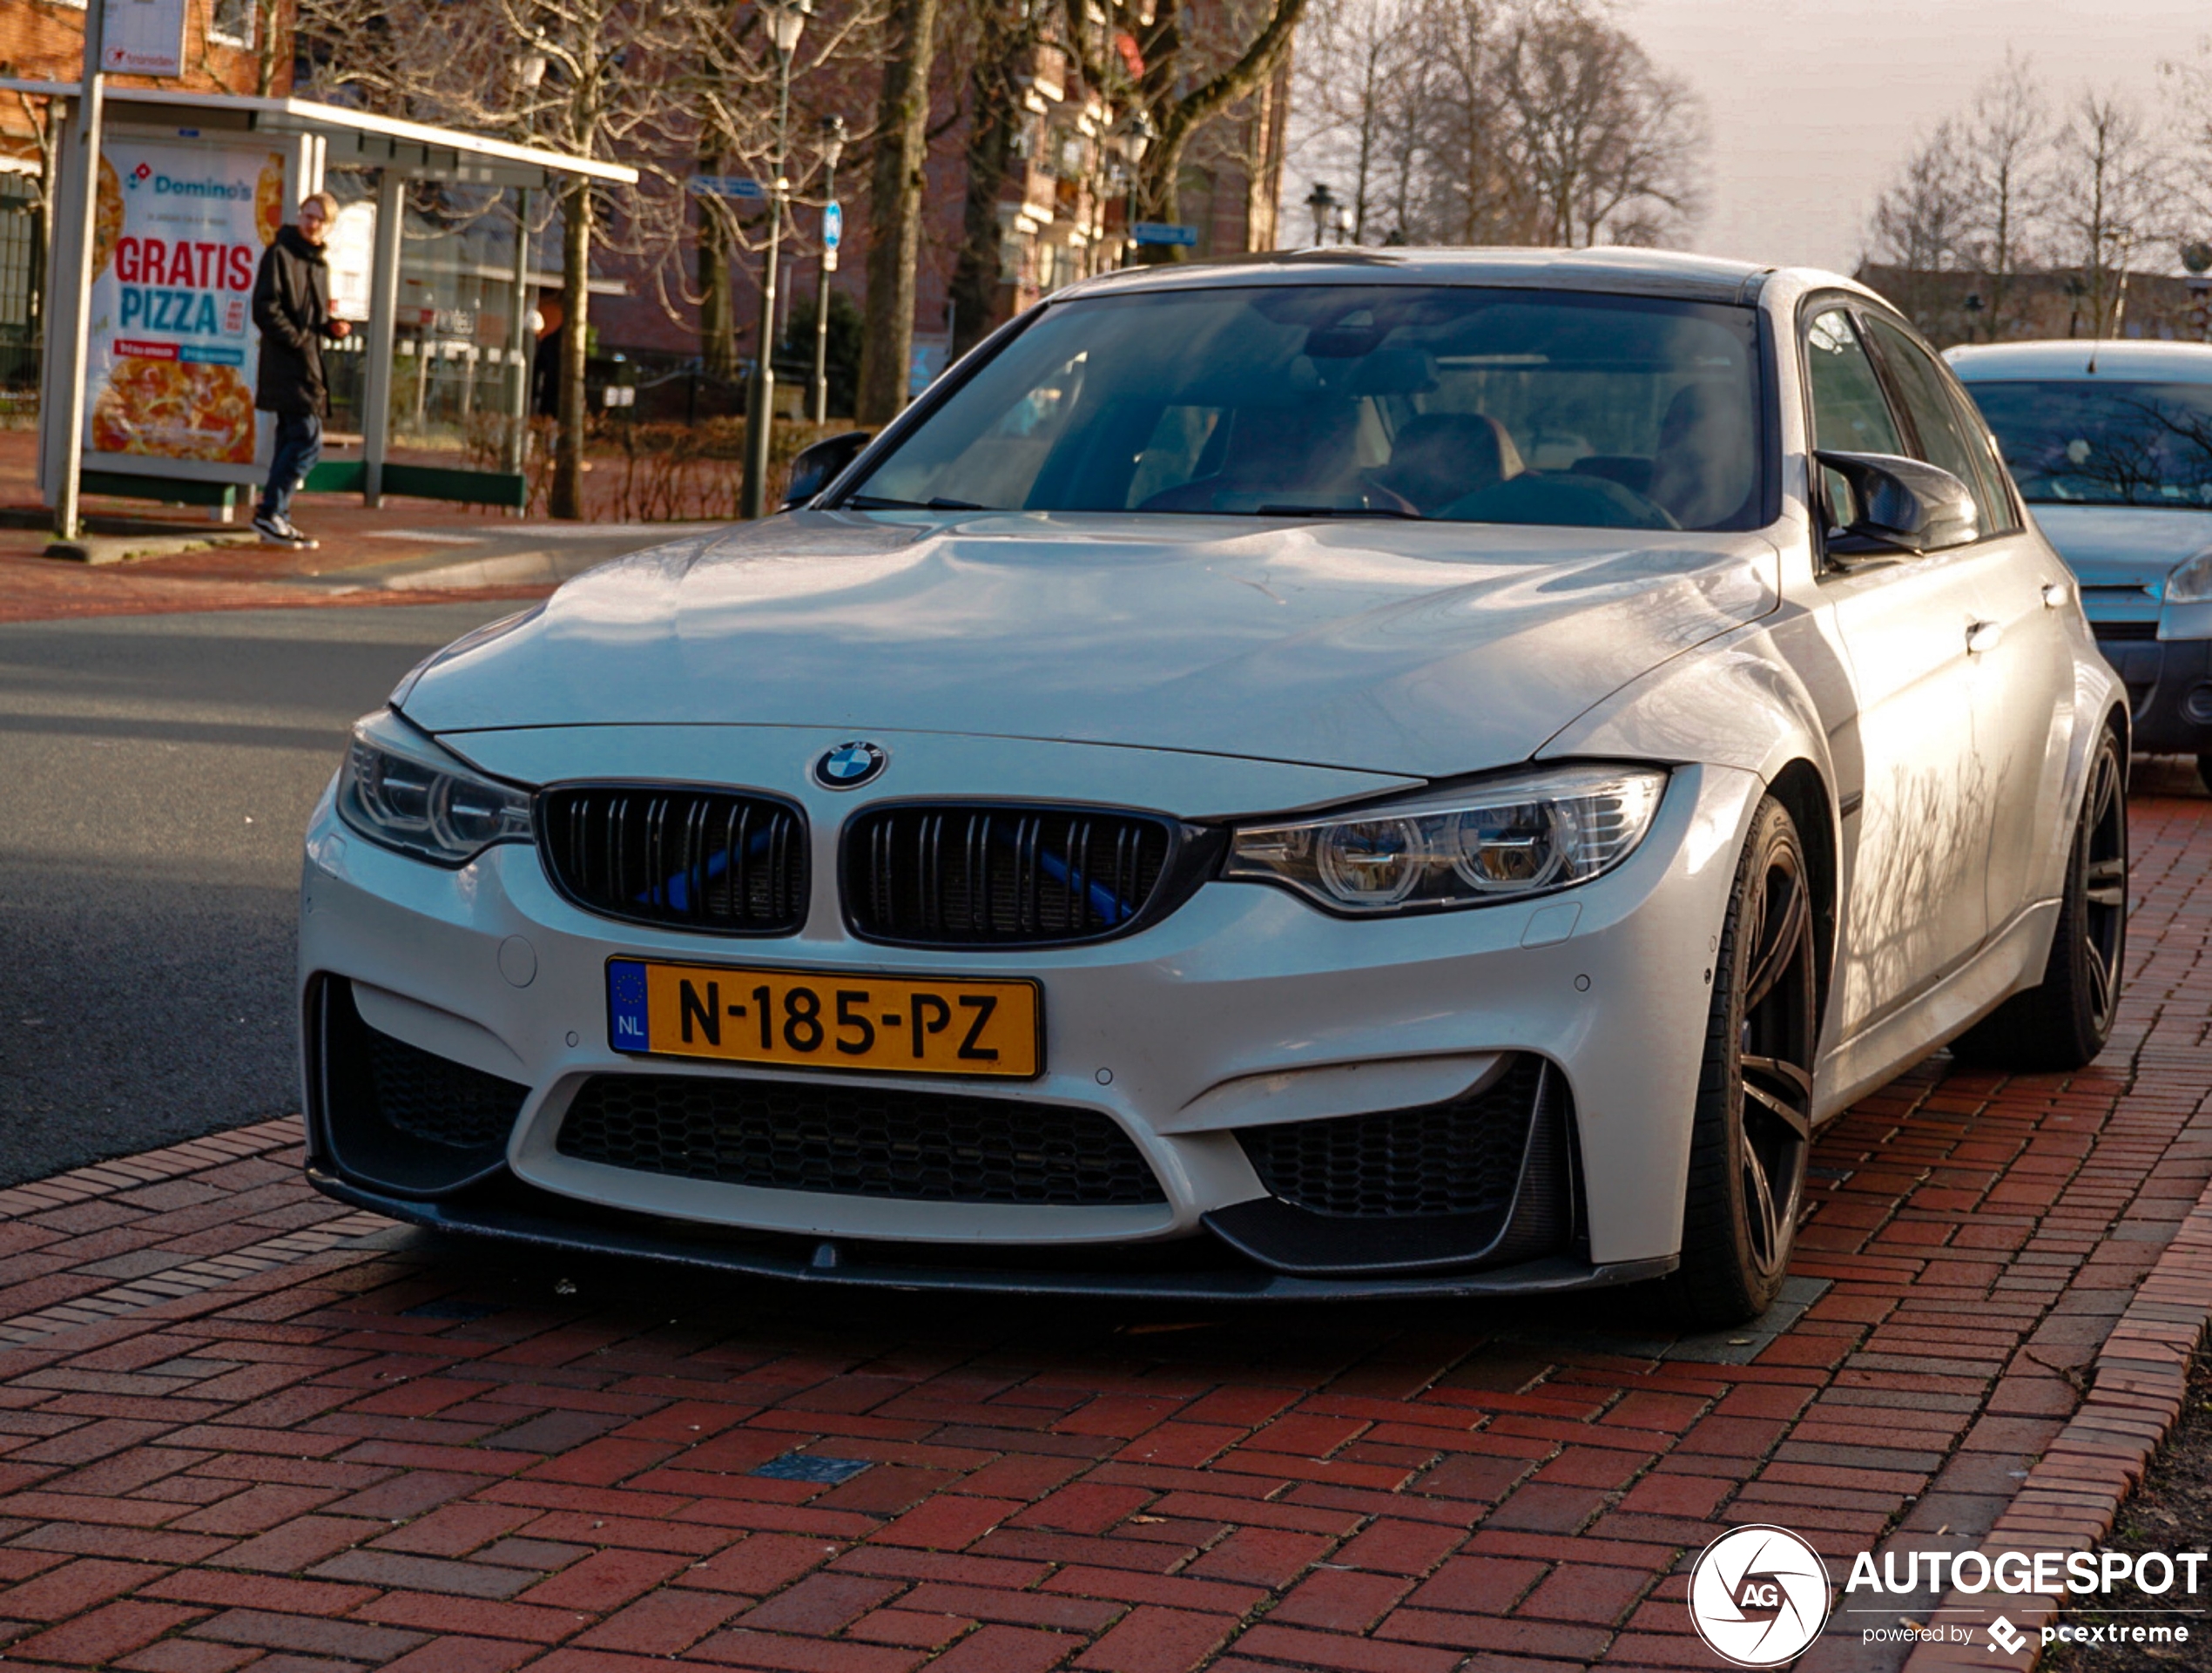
<point x="1850" y="412"/>
<point x="1946" y="438"/>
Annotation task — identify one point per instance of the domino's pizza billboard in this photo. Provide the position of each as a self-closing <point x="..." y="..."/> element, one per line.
<point x="177" y="242"/>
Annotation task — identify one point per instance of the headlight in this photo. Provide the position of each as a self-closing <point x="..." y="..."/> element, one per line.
<point x="2190" y="582"/>
<point x="1507" y="840"/>
<point x="400" y="789"/>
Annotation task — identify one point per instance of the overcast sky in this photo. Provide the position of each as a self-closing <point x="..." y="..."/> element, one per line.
<point x="1814" y="104"/>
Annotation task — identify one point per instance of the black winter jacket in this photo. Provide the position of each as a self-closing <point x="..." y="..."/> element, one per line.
<point x="292" y="307"/>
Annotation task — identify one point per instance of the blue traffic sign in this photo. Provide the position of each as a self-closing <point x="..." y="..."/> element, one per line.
<point x="1162" y="232"/>
<point x="832" y="225"/>
<point x="726" y="186"/>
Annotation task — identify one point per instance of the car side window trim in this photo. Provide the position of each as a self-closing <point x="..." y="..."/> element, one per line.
<point x="1908" y="422"/>
<point x="1810" y="309"/>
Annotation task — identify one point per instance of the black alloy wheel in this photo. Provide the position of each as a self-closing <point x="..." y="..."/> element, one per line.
<point x="1753" y="1126"/>
<point x="2065" y="1020"/>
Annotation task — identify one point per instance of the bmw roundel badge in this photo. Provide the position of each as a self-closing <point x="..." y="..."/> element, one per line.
<point x="850" y="765"/>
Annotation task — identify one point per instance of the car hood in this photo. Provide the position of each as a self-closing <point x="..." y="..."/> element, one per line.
<point x="1401" y="647"/>
<point x="2121" y="545"/>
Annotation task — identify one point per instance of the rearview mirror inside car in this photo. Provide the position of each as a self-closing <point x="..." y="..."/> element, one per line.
<point x="816" y="467"/>
<point x="1890" y="505"/>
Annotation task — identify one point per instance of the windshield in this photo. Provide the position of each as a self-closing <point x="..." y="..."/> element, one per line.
<point x="1465" y="405"/>
<point x="2081" y="443"/>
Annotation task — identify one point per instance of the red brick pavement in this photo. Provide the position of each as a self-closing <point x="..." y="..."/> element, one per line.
<point x="241" y="1427"/>
<point x="37" y="588"/>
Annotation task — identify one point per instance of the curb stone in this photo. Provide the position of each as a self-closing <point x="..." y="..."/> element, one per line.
<point x="2072" y="1494"/>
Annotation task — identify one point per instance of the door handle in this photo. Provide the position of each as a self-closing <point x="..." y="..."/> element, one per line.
<point x="1983" y="636"/>
<point x="2055" y="593"/>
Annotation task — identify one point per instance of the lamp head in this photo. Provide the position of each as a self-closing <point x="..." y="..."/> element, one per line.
<point x="832" y="140"/>
<point x="1322" y="203"/>
<point x="786" y="21"/>
<point x="1137" y="134"/>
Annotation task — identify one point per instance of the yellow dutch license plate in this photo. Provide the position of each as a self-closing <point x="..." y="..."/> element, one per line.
<point x="825" y="1019"/>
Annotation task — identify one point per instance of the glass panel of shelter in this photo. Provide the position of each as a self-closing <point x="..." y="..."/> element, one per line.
<point x="454" y="391"/>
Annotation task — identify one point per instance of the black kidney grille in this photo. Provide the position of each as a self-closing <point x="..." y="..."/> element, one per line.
<point x="961" y="875"/>
<point x="1458" y="1157"/>
<point x="430" y="1097"/>
<point x="705" y="859"/>
<point x="926" y="1147"/>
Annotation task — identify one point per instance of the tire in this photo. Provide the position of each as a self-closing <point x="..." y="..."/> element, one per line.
<point x="1753" y="1124"/>
<point x="2065" y="1020"/>
<point x="2204" y="770"/>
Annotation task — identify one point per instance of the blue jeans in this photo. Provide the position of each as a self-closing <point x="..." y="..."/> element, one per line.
<point x="299" y="444"/>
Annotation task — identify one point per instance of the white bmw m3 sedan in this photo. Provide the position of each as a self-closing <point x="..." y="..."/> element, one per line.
<point x="1359" y="773"/>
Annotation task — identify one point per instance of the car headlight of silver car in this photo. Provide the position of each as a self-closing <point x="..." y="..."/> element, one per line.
<point x="400" y="789"/>
<point x="2190" y="582"/>
<point x="1505" y="840"/>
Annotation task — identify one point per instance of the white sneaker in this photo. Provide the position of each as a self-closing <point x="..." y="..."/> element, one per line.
<point x="304" y="542"/>
<point x="275" y="531"/>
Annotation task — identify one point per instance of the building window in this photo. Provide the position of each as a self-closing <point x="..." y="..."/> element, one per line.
<point x="231" y="21"/>
<point x="18" y="202"/>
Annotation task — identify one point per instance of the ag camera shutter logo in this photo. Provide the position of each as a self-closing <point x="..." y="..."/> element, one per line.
<point x="1758" y="1596"/>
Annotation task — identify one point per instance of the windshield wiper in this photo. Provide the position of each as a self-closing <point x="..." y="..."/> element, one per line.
<point x="877" y="502"/>
<point x="1337" y="511"/>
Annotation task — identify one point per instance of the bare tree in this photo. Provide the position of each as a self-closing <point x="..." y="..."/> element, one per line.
<point x="734" y="80"/>
<point x="1923" y="219"/>
<point x="1924" y="225"/>
<point x="1609" y="143"/>
<point x="1006" y="36"/>
<point x="895" y="184"/>
<point x="1359" y="93"/>
<point x="2111" y="201"/>
<point x="2008" y="151"/>
<point x="1181" y="64"/>
<point x="1502" y="122"/>
<point x="1473" y="192"/>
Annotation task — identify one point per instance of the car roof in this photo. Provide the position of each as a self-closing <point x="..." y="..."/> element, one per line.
<point x="1642" y="272"/>
<point x="2061" y="358"/>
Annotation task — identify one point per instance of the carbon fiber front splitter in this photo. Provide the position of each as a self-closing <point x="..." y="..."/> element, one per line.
<point x="848" y="1262"/>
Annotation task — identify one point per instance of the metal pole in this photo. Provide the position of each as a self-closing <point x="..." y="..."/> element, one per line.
<point x="821" y="309"/>
<point x="518" y="338"/>
<point x="381" y="333"/>
<point x="759" y="405"/>
<point x="66" y="519"/>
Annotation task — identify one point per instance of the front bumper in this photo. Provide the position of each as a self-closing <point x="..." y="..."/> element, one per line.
<point x="2169" y="686"/>
<point x="1243" y="1008"/>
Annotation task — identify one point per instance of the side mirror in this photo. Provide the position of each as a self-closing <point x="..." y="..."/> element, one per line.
<point x="1900" y="505"/>
<point x="818" y="466"/>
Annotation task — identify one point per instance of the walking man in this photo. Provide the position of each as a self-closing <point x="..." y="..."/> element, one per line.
<point x="291" y="308"/>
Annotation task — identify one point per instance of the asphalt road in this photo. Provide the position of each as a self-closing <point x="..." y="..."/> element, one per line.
<point x="156" y="773"/>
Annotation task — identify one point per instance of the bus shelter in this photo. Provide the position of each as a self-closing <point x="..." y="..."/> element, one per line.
<point x="191" y="187"/>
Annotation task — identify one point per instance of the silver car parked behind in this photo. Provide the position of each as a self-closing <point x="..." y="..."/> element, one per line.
<point x="2111" y="443"/>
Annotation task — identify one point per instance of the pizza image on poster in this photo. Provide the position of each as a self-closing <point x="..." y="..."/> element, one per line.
<point x="174" y="346"/>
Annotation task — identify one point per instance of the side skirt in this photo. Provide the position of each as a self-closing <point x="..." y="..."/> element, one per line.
<point x="2009" y="962"/>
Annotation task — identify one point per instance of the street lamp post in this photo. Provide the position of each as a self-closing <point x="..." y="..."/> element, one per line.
<point x="2196" y="256"/>
<point x="833" y="148"/>
<point x="785" y="20"/>
<point x="1322" y="203"/>
<point x="1131" y="139"/>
